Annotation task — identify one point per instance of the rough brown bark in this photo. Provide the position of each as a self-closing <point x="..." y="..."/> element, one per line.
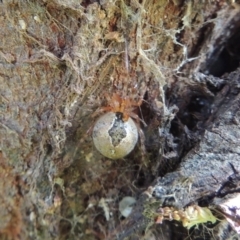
<point x="61" y="60"/>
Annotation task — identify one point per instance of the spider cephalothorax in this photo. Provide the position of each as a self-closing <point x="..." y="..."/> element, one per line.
<point x="115" y="134"/>
<point x="124" y="105"/>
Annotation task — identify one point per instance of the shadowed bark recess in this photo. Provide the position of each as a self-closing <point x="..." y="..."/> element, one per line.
<point x="174" y="68"/>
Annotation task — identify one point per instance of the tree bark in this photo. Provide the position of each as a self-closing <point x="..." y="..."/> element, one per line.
<point x="174" y="67"/>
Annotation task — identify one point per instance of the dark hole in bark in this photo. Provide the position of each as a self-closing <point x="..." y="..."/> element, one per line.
<point x="225" y="63"/>
<point x="85" y="3"/>
<point x="143" y="180"/>
<point x="64" y="227"/>
<point x="48" y="148"/>
<point x="228" y="59"/>
<point x="197" y="109"/>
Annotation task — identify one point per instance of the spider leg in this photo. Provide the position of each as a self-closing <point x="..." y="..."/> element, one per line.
<point x="137" y="118"/>
<point x="142" y="141"/>
<point x="101" y="110"/>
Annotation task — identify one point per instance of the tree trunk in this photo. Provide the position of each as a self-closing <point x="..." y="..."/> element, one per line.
<point x="171" y="66"/>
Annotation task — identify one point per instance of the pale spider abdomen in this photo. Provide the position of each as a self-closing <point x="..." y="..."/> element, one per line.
<point x="113" y="137"/>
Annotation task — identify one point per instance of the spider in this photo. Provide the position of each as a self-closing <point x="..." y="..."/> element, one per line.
<point x="115" y="133"/>
<point x="123" y="105"/>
